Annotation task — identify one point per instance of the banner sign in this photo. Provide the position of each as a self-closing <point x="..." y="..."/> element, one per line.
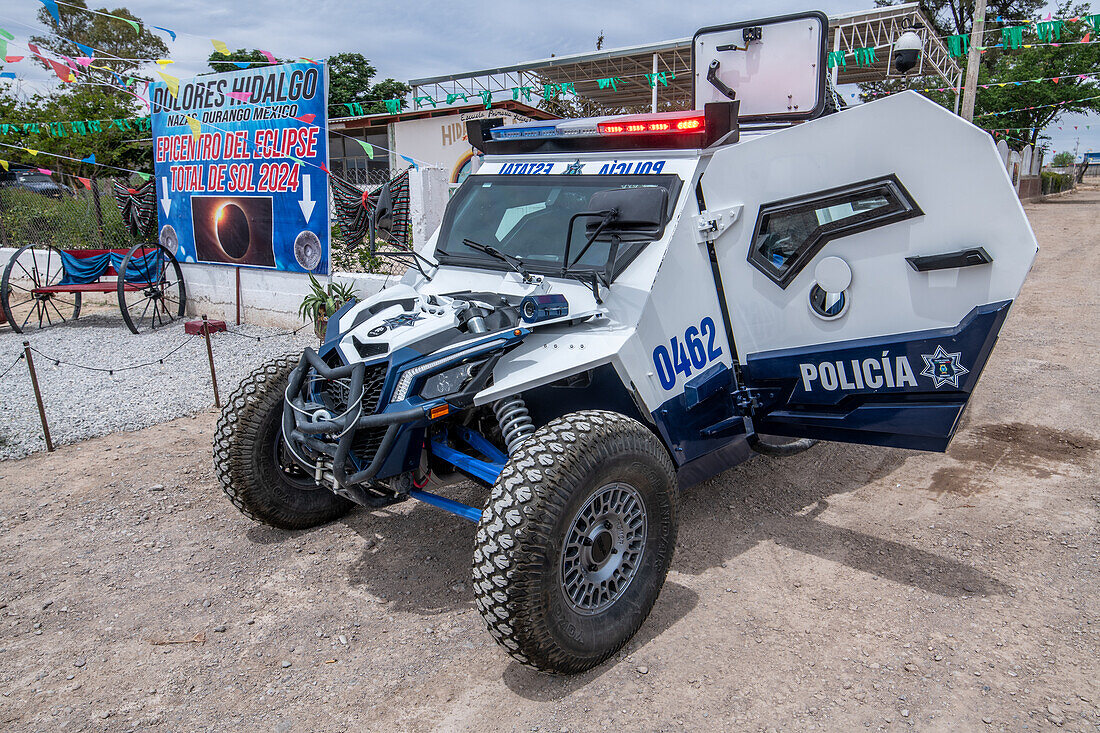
<point x="241" y="165"/>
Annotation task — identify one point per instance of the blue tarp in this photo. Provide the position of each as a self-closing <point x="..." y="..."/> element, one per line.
<point x="84" y="270"/>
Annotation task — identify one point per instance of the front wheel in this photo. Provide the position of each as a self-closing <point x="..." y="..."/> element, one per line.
<point x="574" y="545"/>
<point x="251" y="459"/>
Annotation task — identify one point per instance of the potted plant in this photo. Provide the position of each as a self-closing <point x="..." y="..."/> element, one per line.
<point x="324" y="300"/>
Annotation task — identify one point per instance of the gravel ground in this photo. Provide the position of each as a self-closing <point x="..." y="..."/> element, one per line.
<point x="845" y="588"/>
<point x="82" y="404"/>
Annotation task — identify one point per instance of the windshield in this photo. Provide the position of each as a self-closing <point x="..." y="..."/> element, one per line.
<point x="528" y="217"/>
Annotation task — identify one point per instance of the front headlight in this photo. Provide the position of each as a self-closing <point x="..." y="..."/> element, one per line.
<point x="405" y="381"/>
<point x="448" y="382"/>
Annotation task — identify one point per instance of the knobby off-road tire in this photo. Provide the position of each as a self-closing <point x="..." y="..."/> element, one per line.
<point x="245" y="450"/>
<point x="566" y="482"/>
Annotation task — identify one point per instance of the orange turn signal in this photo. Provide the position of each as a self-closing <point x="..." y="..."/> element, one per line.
<point x="439" y="411"/>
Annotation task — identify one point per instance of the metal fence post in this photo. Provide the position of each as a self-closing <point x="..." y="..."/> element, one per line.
<point x="37" y="395"/>
<point x="210" y="356"/>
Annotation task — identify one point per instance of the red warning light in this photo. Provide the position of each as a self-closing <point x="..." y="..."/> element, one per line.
<point x="664" y="124"/>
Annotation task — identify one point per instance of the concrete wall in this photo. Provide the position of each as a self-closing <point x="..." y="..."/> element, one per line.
<point x="428" y="194"/>
<point x="268" y="297"/>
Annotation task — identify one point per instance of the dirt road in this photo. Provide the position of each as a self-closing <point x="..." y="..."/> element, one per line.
<point x="844" y="588"/>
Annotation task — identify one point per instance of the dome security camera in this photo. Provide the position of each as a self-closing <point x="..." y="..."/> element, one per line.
<point x="907" y="52"/>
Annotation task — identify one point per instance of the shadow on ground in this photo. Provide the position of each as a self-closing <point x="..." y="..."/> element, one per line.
<point x="781" y="500"/>
<point x="674" y="603"/>
<point x="416" y="558"/>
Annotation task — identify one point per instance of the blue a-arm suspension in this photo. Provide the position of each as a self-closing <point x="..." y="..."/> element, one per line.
<point x="487" y="471"/>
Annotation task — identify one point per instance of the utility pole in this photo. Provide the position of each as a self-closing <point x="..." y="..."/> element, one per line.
<point x="973" y="60"/>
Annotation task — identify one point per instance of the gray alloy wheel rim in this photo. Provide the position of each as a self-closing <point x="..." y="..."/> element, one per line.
<point x="603" y="548"/>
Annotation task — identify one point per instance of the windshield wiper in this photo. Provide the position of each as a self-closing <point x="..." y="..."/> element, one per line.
<point x="514" y="262"/>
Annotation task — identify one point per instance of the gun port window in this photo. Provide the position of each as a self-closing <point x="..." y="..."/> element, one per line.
<point x="789" y="233"/>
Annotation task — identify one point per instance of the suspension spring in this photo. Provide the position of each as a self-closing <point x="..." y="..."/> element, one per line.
<point x="515" y="422"/>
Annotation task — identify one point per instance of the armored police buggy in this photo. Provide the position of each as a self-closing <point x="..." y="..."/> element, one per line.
<point x="614" y="309"/>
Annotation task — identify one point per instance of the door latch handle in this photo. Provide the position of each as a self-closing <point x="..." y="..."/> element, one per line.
<point x="948" y="260"/>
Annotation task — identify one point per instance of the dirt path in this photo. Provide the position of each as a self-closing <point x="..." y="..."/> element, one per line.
<point x="844" y="588"/>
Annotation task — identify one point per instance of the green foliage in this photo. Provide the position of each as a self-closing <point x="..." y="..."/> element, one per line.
<point x="323" y="300"/>
<point x="69" y="223"/>
<point x="1062" y="160"/>
<point x="1055" y="182"/>
<point x="98" y="97"/>
<point x="952" y="17"/>
<point x="108" y="36"/>
<point x="219" y="64"/>
<point x="350" y="76"/>
<point x="1064" y="61"/>
<point x="111" y="146"/>
<point x="1006" y="68"/>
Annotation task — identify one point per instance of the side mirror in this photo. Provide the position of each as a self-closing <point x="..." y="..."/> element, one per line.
<point x="381" y="219"/>
<point x="638" y="211"/>
<point x="616" y="214"/>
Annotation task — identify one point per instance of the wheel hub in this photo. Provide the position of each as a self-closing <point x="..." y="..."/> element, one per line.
<point x="603" y="548"/>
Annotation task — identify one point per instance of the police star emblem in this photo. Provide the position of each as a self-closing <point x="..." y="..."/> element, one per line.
<point x="574" y="169"/>
<point x="943" y="368"/>
<point x="405" y="319"/>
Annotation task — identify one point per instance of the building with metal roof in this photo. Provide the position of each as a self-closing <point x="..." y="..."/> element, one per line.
<point x="878" y="29"/>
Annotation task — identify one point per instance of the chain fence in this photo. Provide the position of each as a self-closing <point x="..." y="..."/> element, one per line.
<point x="34" y="358"/>
<point x="42" y="211"/>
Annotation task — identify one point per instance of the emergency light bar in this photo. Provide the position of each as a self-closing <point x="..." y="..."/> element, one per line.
<point x="690" y="129"/>
<point x="668" y="122"/>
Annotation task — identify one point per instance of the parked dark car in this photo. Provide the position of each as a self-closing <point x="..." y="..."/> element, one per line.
<point x="34" y="181"/>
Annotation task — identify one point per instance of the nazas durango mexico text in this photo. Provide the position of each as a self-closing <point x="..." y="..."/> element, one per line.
<point x="859" y="374"/>
<point x="265" y="88"/>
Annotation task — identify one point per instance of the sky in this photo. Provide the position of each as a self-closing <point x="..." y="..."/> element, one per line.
<point x="419" y="38"/>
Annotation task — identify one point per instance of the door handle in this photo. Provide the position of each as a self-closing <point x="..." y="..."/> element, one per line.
<point x="948" y="260"/>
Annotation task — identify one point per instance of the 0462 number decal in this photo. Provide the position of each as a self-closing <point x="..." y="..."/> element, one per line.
<point x="681" y="357"/>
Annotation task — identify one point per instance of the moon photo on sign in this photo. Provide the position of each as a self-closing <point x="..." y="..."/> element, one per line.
<point x="307" y="250"/>
<point x="168" y="238"/>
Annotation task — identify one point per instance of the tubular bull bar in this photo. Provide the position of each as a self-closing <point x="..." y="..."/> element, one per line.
<point x="303" y="421"/>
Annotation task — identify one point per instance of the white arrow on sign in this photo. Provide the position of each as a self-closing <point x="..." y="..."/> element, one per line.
<point x="164" y="200"/>
<point x="307" y="203"/>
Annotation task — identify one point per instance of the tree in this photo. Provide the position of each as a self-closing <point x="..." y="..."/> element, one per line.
<point x="112" y="40"/>
<point x="952" y="17"/>
<point x="1004" y="75"/>
<point x="947" y="18"/>
<point x="1052" y="98"/>
<point x="349" y="82"/>
<point x="219" y="63"/>
<point x="1062" y="160"/>
<point x="97" y="95"/>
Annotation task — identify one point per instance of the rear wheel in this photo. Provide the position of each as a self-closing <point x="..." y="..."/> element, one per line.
<point x="251" y="459"/>
<point x="151" y="291"/>
<point x="573" y="547"/>
<point x="25" y="297"/>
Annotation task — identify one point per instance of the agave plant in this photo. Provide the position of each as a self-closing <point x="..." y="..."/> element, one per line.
<point x="322" y="301"/>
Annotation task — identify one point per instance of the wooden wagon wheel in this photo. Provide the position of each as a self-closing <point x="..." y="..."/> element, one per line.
<point x="27" y="290"/>
<point x="151" y="292"/>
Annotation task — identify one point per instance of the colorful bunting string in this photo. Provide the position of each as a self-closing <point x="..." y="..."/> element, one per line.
<point x="864" y="56"/>
<point x="661" y="78"/>
<point x="958" y="45"/>
<point x="77" y="127"/>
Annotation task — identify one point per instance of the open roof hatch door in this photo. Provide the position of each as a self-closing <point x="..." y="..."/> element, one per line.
<point x="775" y="67"/>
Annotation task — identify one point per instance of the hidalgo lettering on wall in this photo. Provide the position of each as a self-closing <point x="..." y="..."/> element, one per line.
<point x="241" y="163"/>
<point x="443" y="139"/>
